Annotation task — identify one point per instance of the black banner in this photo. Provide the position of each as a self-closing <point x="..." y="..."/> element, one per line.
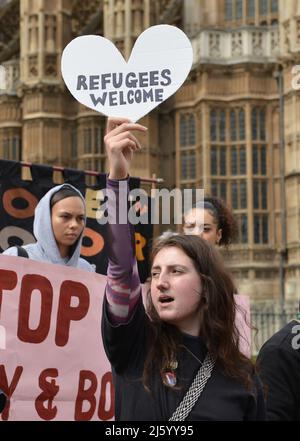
<point x="18" y="199"/>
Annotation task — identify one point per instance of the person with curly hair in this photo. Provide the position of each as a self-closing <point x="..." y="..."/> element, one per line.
<point x="214" y="222"/>
<point x="211" y="220"/>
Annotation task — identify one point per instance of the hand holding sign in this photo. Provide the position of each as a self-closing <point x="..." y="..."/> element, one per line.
<point x="97" y="75"/>
<point x="120" y="144"/>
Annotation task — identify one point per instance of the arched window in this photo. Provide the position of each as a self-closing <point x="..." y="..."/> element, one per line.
<point x="243" y="194"/>
<point x="234" y="168"/>
<point x="228" y="10"/>
<point x="222" y="125"/>
<point x="192" y="130"/>
<point x="251" y="8"/>
<point x="183" y="131"/>
<point x="239" y="9"/>
<point x="188" y="165"/>
<point x="213" y="161"/>
<point x="262" y="124"/>
<point x="88" y="140"/>
<point x="263" y="7"/>
<point x="233" y="125"/>
<point x="254" y="123"/>
<point x="213" y="125"/>
<point x="260" y="224"/>
<point x="223" y="161"/>
<point x="241" y="124"/>
<point x="242" y="160"/>
<point x="187" y="128"/>
<point x="274" y="6"/>
<point x="243" y="228"/>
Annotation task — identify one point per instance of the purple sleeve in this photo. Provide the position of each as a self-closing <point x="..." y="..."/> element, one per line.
<point x="123" y="284"/>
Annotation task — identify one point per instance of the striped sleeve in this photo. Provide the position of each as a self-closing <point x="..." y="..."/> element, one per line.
<point x="123" y="283"/>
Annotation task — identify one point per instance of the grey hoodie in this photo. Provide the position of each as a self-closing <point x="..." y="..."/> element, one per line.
<point x="45" y="249"/>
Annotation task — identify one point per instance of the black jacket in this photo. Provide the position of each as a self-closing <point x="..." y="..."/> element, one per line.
<point x="279" y="367"/>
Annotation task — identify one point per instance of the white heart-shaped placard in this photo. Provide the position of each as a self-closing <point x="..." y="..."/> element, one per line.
<point x="97" y="75"/>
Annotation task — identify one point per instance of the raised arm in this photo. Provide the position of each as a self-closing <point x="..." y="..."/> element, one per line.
<point x="123" y="284"/>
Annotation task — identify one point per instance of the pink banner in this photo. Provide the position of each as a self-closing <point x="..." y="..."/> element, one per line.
<point x="52" y="362"/>
<point x="242" y="322"/>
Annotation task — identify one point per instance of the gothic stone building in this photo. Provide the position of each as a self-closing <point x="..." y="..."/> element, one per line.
<point x="223" y="131"/>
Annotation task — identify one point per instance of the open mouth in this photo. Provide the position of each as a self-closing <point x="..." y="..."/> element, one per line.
<point x="165" y="299"/>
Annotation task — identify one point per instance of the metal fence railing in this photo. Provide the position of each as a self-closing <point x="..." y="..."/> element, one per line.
<point x="267" y="321"/>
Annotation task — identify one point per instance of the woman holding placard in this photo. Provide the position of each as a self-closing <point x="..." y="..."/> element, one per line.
<point x="180" y="360"/>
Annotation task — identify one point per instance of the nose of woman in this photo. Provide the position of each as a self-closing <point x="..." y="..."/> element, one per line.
<point x="162" y="282"/>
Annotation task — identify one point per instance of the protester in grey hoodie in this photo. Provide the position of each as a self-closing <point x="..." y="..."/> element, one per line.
<point x="58" y="226"/>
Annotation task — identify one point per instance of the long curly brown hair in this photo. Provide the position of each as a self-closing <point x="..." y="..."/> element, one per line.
<point x="217" y="321"/>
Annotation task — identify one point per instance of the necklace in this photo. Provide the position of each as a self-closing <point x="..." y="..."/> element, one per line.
<point x="192" y="354"/>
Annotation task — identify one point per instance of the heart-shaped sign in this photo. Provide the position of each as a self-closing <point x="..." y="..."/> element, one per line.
<point x="97" y="75"/>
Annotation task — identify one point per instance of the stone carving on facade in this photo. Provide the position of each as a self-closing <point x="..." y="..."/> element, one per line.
<point x="11" y="71"/>
<point x="257" y="43"/>
<point x="286" y="36"/>
<point x="51" y="65"/>
<point x="264" y="256"/>
<point x="82" y="11"/>
<point x="236" y="44"/>
<point x="33" y="33"/>
<point x="50" y="32"/>
<point x="33" y="65"/>
<point x="237" y="256"/>
<point x="298" y="31"/>
<point x="214" y="45"/>
<point x="119" y="18"/>
<point x="137" y="16"/>
<point x="274" y="41"/>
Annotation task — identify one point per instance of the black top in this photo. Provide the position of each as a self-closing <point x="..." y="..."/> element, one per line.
<point x="279" y="364"/>
<point x="223" y="398"/>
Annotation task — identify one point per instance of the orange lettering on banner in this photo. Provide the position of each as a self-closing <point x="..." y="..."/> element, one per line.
<point x="30" y="282"/>
<point x="50" y="389"/>
<point x="86" y="395"/>
<point x="8" y="281"/>
<point x="97" y="243"/>
<point x="66" y="313"/>
<point x="9" y="389"/>
<point x="102" y="413"/>
<point x="140" y="242"/>
<point x="19" y="193"/>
